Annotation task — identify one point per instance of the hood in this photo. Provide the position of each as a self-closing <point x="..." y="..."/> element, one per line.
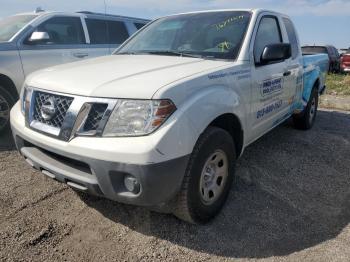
<point x="119" y="76"/>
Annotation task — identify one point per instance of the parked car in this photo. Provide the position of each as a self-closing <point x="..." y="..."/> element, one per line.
<point x="331" y="51"/>
<point x="345" y="62"/>
<point x="33" y="41"/>
<point x="162" y="121"/>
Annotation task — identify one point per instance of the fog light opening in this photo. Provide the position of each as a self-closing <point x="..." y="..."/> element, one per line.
<point x="132" y="184"/>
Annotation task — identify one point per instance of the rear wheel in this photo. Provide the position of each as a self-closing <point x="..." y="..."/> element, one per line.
<point x="307" y="118"/>
<point x="6" y="102"/>
<point x="208" y="177"/>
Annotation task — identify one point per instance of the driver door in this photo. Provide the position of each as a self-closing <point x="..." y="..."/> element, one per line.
<point x="269" y="94"/>
<point x="65" y="44"/>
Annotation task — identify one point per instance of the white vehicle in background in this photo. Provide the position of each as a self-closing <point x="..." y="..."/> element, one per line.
<point x="162" y="121"/>
<point x="32" y="41"/>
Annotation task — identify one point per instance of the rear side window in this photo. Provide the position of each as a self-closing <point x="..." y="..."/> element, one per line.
<point x="117" y="32"/>
<point x="268" y="33"/>
<point x="293" y="40"/>
<point x="63" y="30"/>
<point x="139" y="25"/>
<point x="106" y="31"/>
<point x="97" y="31"/>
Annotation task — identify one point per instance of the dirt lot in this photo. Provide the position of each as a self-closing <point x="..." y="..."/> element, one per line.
<point x="291" y="202"/>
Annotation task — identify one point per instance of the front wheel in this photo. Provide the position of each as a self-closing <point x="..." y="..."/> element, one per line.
<point x="6" y="102"/>
<point x="307" y="118"/>
<point x="208" y="177"/>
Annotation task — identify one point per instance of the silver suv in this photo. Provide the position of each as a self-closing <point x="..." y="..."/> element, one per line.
<point x="31" y="41"/>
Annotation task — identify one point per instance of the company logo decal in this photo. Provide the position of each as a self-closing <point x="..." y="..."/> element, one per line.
<point x="271" y="86"/>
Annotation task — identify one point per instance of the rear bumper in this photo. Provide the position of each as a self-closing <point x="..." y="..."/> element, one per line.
<point x="158" y="183"/>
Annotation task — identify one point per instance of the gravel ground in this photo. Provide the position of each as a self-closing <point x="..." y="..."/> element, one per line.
<point x="291" y="202"/>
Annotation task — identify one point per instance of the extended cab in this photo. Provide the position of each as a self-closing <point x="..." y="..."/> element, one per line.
<point x="162" y="121"/>
<point x="32" y="41"/>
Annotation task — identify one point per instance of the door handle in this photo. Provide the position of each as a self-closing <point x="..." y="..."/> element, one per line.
<point x="80" y="55"/>
<point x="287" y="73"/>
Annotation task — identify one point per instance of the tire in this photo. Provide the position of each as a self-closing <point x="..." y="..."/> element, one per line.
<point x="195" y="203"/>
<point x="306" y="119"/>
<point x="6" y="103"/>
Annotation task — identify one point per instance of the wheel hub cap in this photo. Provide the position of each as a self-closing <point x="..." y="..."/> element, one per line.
<point x="312" y="110"/>
<point x="213" y="177"/>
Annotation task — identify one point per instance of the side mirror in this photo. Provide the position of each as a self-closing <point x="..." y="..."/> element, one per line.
<point x="276" y="52"/>
<point x="39" y="37"/>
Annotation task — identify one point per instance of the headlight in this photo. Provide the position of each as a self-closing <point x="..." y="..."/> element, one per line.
<point x="23" y="99"/>
<point x="26" y="94"/>
<point x="138" y="117"/>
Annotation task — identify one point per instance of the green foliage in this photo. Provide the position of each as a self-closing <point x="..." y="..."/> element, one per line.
<point x="338" y="84"/>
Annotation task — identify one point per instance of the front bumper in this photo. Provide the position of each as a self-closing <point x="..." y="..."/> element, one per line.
<point x="158" y="182"/>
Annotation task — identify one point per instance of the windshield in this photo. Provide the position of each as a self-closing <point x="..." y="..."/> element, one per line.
<point x="9" y="26"/>
<point x="208" y="35"/>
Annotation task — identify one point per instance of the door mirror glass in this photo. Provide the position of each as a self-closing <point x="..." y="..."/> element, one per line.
<point x="276" y="52"/>
<point x="39" y="37"/>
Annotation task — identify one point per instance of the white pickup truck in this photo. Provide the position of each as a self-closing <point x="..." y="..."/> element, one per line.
<point x="162" y="121"/>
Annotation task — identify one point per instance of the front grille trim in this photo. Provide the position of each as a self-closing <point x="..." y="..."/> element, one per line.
<point x="62" y="104"/>
<point x="73" y="119"/>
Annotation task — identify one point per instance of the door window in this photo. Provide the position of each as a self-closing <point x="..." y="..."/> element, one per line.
<point x="139" y="25"/>
<point x="97" y="31"/>
<point x="63" y="31"/>
<point x="117" y="32"/>
<point x="106" y="31"/>
<point x="293" y="40"/>
<point x="268" y="33"/>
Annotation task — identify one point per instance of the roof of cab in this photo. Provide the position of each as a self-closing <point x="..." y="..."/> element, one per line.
<point x="252" y="10"/>
<point x="40" y="13"/>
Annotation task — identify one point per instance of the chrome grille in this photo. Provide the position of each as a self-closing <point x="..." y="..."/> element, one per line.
<point x="95" y="116"/>
<point x="66" y="116"/>
<point x="62" y="105"/>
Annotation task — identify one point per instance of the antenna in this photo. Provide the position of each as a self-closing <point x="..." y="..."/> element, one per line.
<point x="104" y="1"/>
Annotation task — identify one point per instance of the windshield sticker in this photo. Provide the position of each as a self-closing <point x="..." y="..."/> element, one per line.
<point x="240" y="73"/>
<point x="268" y="109"/>
<point x="271" y="86"/>
<point x="229" y="21"/>
<point x="225" y="46"/>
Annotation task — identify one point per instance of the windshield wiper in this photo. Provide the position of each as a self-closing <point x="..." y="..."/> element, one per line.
<point x="174" y="53"/>
<point x="156" y="52"/>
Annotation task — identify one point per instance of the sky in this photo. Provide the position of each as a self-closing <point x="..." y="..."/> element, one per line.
<point x="317" y="21"/>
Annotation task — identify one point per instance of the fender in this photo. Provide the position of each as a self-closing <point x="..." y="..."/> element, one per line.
<point x="11" y="68"/>
<point x="195" y="115"/>
<point x="310" y="79"/>
<point x="315" y="71"/>
<point x="314" y="75"/>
